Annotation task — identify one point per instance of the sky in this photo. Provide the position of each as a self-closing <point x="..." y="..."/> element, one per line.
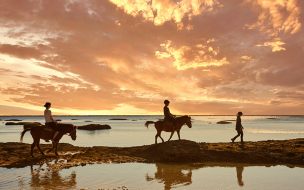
<point x="125" y="57"/>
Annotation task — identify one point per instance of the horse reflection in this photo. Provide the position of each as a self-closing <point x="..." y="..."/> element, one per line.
<point x="172" y="175"/>
<point x="43" y="179"/>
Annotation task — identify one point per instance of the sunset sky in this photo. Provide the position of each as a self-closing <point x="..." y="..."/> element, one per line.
<point x="128" y="56"/>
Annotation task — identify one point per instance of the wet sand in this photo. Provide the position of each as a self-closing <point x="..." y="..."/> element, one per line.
<point x="284" y="152"/>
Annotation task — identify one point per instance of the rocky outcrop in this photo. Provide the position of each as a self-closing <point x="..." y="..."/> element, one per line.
<point x="13" y="120"/>
<point x="94" y="127"/>
<point x="21" y="123"/>
<point x="223" y="122"/>
<point x="285" y="152"/>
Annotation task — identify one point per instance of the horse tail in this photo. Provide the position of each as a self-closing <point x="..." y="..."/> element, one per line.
<point x="23" y="132"/>
<point x="148" y="123"/>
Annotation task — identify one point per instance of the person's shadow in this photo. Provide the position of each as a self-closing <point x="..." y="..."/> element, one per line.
<point x="172" y="175"/>
<point x="239" y="174"/>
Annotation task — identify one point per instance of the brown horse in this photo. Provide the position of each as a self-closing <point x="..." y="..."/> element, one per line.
<point x="39" y="132"/>
<point x="162" y="125"/>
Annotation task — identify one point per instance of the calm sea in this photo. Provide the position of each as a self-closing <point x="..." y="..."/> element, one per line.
<point x="132" y="132"/>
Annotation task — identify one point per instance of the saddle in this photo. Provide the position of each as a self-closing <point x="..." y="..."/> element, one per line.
<point x="47" y="128"/>
<point x="168" y="123"/>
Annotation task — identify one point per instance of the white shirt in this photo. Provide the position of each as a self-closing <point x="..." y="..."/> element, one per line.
<point x="47" y="115"/>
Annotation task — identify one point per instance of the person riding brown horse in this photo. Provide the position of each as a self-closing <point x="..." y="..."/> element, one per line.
<point x="40" y="132"/>
<point x="49" y="121"/>
<point x="162" y="126"/>
<point x="168" y="116"/>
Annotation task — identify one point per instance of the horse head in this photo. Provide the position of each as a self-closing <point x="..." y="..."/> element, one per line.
<point x="188" y="122"/>
<point x="73" y="133"/>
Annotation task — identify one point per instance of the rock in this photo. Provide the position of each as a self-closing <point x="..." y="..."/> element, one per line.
<point x="58" y="120"/>
<point x="223" y="122"/>
<point x="174" y="151"/>
<point x="118" y="119"/>
<point x="30" y="125"/>
<point x="74" y="119"/>
<point x="13" y="120"/>
<point x="94" y="127"/>
<point x="19" y="123"/>
<point x="87" y="121"/>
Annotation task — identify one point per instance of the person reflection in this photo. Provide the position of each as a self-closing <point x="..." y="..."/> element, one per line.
<point x="239" y="174"/>
<point x="41" y="178"/>
<point x="172" y="175"/>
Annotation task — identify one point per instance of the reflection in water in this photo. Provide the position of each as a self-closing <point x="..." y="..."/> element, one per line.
<point x="239" y="173"/>
<point x="153" y="176"/>
<point x="50" y="180"/>
<point x="172" y="175"/>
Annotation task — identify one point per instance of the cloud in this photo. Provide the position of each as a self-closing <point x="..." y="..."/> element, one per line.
<point x="161" y="11"/>
<point x="276" y="45"/>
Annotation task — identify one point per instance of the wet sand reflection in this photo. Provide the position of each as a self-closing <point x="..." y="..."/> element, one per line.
<point x="173" y="176"/>
<point x="44" y="179"/>
<point x="239" y="174"/>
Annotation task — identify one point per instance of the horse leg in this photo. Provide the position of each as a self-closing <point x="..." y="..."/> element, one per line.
<point x="161" y="138"/>
<point x="32" y="148"/>
<point x="38" y="145"/>
<point x="51" y="148"/>
<point x="178" y="134"/>
<point x="171" y="135"/>
<point x="56" y="149"/>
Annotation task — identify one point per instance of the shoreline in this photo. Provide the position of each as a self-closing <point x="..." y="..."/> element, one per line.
<point x="271" y="152"/>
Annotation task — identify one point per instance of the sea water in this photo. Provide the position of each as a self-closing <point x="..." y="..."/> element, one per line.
<point x="154" y="176"/>
<point x="132" y="132"/>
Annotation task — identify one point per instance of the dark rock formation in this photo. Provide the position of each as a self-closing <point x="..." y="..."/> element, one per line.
<point x="223" y="122"/>
<point x="20" y="123"/>
<point x="30" y="125"/>
<point x="13" y="120"/>
<point x="94" y="127"/>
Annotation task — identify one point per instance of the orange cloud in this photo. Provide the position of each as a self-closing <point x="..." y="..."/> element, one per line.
<point x="206" y="56"/>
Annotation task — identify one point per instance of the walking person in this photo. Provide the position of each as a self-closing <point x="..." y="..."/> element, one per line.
<point x="49" y="121"/>
<point x="239" y="128"/>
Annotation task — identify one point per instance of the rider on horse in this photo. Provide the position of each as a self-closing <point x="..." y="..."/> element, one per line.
<point x="168" y="116"/>
<point x="50" y="122"/>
